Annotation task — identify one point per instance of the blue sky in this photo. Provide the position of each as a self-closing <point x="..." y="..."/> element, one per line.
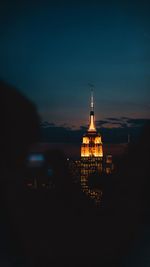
<point x="52" y="51"/>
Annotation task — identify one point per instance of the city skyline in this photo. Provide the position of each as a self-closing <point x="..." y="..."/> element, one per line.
<point x="51" y="52"/>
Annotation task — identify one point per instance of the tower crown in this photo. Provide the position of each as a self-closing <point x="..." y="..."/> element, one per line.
<point x="92" y="127"/>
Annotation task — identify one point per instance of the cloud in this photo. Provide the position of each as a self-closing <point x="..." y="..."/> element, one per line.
<point x="46" y="124"/>
<point x="122" y="122"/>
<point x="111" y="123"/>
<point x="113" y="119"/>
<point x="54" y="133"/>
<point x="101" y="122"/>
<point x="113" y="130"/>
<point x="137" y="122"/>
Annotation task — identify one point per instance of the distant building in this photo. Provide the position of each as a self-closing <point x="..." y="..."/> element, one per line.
<point x="108" y="165"/>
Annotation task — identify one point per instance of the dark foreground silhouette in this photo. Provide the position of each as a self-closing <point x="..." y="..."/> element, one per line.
<point x="39" y="228"/>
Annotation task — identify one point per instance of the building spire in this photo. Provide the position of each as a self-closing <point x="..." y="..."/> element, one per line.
<point x="92" y="127"/>
<point x="92" y="100"/>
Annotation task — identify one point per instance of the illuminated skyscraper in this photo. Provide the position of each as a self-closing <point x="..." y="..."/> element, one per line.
<point x="92" y="141"/>
<point x="91" y="152"/>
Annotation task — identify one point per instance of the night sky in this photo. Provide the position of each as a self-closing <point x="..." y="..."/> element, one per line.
<point x="51" y="52"/>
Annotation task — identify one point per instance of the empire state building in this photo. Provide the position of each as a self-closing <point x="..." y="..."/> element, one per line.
<point x="92" y="141"/>
<point x="91" y="154"/>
